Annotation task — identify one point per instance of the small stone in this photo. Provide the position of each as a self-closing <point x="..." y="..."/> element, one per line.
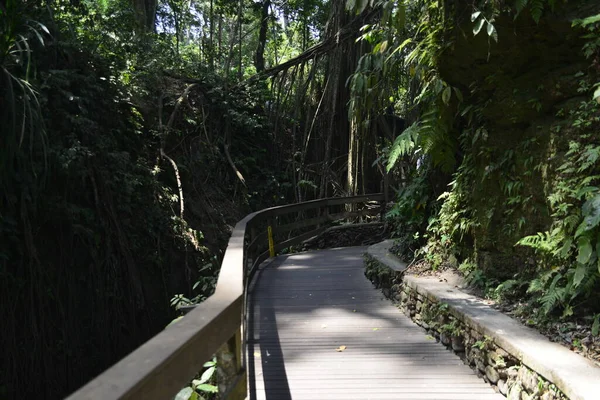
<point x="548" y="396"/>
<point x="425" y="325"/>
<point x="397" y="297"/>
<point x="528" y="379"/>
<point x="526" y="396"/>
<point x="445" y="339"/>
<point x="480" y="365"/>
<point x="502" y="386"/>
<point x="502" y="372"/>
<point x="419" y="305"/>
<point x="492" y="374"/>
<point x="492" y="358"/>
<point x="515" y="392"/>
<point x="501" y="353"/>
<point x="512" y="373"/>
<point x="457" y="344"/>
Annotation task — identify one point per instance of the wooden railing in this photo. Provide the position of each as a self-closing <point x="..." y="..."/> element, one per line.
<point x="162" y="366"/>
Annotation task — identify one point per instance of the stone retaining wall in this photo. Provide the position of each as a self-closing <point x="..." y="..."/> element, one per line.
<point x="492" y="363"/>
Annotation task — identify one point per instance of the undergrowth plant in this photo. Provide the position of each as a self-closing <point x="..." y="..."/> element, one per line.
<point x="203" y="387"/>
<point x="570" y="269"/>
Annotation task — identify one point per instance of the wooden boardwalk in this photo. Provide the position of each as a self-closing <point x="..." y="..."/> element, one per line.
<point x="319" y="330"/>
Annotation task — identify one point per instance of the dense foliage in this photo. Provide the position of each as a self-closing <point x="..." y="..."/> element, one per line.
<point x="503" y="97"/>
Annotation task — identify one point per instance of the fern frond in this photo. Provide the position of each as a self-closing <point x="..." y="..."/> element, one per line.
<point x="403" y="144"/>
<point x="537" y="8"/>
<point x="535" y="286"/>
<point x="553" y="296"/>
<point x="520" y="5"/>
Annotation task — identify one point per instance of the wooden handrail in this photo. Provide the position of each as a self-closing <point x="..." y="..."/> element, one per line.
<point x="163" y="365"/>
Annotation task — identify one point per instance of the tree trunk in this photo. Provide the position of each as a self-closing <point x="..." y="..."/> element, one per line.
<point x="259" y="59"/>
<point x="145" y="14"/>
<point x="240" y="74"/>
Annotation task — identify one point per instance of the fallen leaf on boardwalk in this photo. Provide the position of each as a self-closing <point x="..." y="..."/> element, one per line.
<point x="257" y="354"/>
<point x="323" y="326"/>
<point x="353" y="310"/>
<point x="429" y="337"/>
<point x="375" y="329"/>
<point x="341" y="348"/>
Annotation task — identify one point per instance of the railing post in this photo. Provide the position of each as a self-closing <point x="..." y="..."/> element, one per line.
<point x="231" y="376"/>
<point x="384" y="202"/>
<point x="270" y="238"/>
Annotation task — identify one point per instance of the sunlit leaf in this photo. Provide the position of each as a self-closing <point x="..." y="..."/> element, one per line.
<point x="590" y="20"/>
<point x="383" y="46"/>
<point x="597" y="95"/>
<point x="186" y="393"/>
<point x="207" y="388"/>
<point x="478" y="26"/>
<point x="341" y="348"/>
<point x="206" y="375"/>
<point x="491" y="31"/>
<point x="475" y="15"/>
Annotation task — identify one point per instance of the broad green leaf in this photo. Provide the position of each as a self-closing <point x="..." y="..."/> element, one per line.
<point x="475" y="15"/>
<point x="579" y="274"/>
<point x="383" y="46"/>
<point x="446" y="95"/>
<point x="207" y="388"/>
<point x="585" y="250"/>
<point x="597" y="95"/>
<point x="186" y="393"/>
<point x="591" y="211"/>
<point x="590" y="20"/>
<point x="206" y="375"/>
<point x="581" y="229"/>
<point x="210" y="363"/>
<point x="458" y="94"/>
<point x="491" y="31"/>
<point x="596" y="325"/>
<point x="478" y="26"/>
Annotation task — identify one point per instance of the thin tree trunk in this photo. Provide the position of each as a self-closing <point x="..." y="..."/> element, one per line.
<point x="211" y="54"/>
<point x="240" y="41"/>
<point x="259" y="59"/>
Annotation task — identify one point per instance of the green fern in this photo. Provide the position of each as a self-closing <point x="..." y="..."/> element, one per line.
<point x="537" y="8"/>
<point x="403" y="145"/>
<point x="520" y="6"/>
<point x="553" y="296"/>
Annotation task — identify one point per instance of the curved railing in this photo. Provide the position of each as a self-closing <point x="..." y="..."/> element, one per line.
<point x="162" y="366"/>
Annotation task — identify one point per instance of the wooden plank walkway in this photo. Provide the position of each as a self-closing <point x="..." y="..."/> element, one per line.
<point x="303" y="307"/>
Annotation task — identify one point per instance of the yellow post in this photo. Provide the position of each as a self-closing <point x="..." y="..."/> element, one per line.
<point x="271" y="245"/>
